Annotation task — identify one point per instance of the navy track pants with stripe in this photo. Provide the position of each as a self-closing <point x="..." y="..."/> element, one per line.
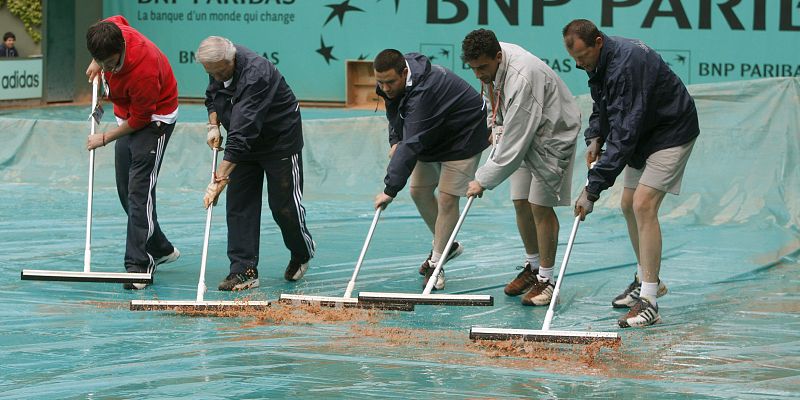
<point x="137" y="160"/>
<point x="243" y="204"/>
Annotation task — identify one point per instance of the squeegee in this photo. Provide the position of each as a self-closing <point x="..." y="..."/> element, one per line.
<point x="426" y="297"/>
<point x="546" y="334"/>
<point x="199" y="304"/>
<point x="347" y="300"/>
<point x="87" y="275"/>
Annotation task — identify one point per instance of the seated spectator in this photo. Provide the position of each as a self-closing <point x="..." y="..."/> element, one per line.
<point x="8" y="49"/>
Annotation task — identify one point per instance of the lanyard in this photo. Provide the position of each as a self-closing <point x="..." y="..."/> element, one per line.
<point x="494" y="99"/>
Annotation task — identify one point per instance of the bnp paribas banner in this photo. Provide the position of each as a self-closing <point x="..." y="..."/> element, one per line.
<point x="310" y="40"/>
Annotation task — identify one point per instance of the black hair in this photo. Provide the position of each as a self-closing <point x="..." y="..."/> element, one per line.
<point x="104" y="39"/>
<point x="480" y="42"/>
<point x="389" y="59"/>
<point x="583" y="29"/>
<point x="9" y="35"/>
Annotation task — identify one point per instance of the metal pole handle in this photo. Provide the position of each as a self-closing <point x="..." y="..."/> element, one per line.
<point x="87" y="252"/>
<point x="440" y="264"/>
<point x="201" y="284"/>
<point x="352" y="284"/>
<point x="548" y="318"/>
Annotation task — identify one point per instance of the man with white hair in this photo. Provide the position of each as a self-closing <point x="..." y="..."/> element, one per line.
<point x="250" y="98"/>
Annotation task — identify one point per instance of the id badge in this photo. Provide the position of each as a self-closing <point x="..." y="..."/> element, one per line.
<point x="497" y="132"/>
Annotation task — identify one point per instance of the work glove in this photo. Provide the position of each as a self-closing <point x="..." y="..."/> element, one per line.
<point x="213" y="190"/>
<point x="594" y="150"/>
<point x="214" y="137"/>
<point x="585" y="204"/>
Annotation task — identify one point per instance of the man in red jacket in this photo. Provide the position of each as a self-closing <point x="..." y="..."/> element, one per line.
<point x="138" y="80"/>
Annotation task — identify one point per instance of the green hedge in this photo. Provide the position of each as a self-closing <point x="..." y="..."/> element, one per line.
<point x="30" y="13"/>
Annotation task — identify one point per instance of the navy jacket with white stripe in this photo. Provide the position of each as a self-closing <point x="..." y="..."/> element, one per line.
<point x="258" y="110"/>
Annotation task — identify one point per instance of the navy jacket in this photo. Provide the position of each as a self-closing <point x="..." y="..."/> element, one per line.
<point x="640" y="107"/>
<point x="258" y="110"/>
<point x="440" y="117"/>
<point x="6" y="52"/>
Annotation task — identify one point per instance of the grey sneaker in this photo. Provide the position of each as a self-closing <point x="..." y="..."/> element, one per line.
<point x="455" y="250"/>
<point x="235" y="282"/>
<point x="631" y="295"/>
<point x="642" y="314"/>
<point x="295" y="270"/>
<point x="171" y="257"/>
<point x="439" y="285"/>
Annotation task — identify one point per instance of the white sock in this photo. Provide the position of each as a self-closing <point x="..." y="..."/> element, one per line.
<point x="532" y="258"/>
<point x="649" y="291"/>
<point x="435" y="257"/>
<point x="639" y="272"/>
<point x="546" y="273"/>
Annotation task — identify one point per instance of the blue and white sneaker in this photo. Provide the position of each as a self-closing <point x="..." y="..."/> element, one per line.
<point x="642" y="314"/>
<point x="631" y="295"/>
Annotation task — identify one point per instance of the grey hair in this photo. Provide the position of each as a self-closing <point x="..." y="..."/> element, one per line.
<point x="214" y="49"/>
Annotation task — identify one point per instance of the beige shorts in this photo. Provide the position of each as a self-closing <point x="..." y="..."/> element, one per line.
<point x="525" y="185"/>
<point x="452" y="177"/>
<point x="663" y="170"/>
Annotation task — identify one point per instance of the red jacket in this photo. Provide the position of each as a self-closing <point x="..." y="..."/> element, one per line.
<point x="145" y="85"/>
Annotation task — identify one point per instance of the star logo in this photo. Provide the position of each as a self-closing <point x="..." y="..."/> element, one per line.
<point x="680" y="58"/>
<point x="338" y="10"/>
<point x="444" y="53"/>
<point x="362" y="56"/>
<point x="326" y="51"/>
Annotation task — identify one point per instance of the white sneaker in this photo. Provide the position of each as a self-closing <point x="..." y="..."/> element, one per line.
<point x="171" y="257"/>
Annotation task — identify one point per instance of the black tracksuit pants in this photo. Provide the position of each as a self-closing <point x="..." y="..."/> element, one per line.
<point x="243" y="202"/>
<point x="137" y="162"/>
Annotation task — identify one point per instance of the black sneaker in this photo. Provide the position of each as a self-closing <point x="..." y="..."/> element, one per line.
<point x="295" y="270"/>
<point x="642" y="314"/>
<point x="171" y="257"/>
<point x="455" y="250"/>
<point x="244" y="281"/>
<point x="631" y="295"/>
<point x="136" y="286"/>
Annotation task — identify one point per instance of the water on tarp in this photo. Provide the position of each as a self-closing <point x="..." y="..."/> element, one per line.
<point x="730" y="321"/>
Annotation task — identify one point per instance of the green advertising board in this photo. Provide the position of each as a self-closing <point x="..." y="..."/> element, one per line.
<point x="21" y="79"/>
<point x="309" y="40"/>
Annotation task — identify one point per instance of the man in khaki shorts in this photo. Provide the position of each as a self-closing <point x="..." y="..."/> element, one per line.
<point x="437" y="131"/>
<point x="647" y="120"/>
<point x="535" y="121"/>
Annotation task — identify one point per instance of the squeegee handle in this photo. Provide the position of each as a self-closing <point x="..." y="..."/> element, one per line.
<point x="440" y="264"/>
<point x="87" y="253"/>
<point x="548" y="318"/>
<point x="352" y="284"/>
<point x="201" y="284"/>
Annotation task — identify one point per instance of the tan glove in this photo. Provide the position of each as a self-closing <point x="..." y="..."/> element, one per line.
<point x="213" y="191"/>
<point x="214" y="137"/>
<point x="585" y="204"/>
